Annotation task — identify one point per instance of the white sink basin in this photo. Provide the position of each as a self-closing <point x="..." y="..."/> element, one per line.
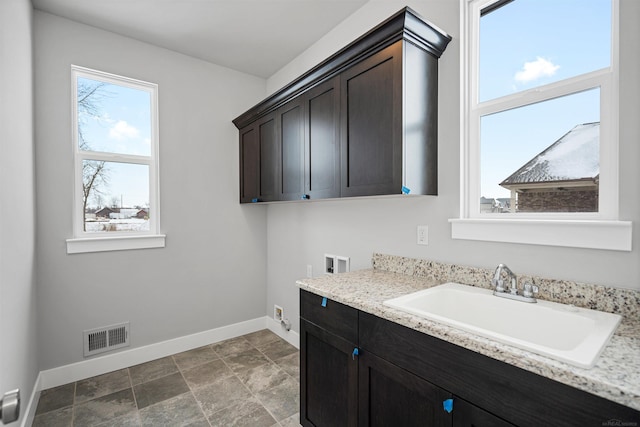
<point x="570" y="334"/>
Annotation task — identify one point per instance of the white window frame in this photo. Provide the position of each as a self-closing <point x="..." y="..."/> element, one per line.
<point x="83" y="241"/>
<point x="599" y="230"/>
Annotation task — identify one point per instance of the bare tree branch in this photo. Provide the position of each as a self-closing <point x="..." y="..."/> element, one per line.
<point x="95" y="174"/>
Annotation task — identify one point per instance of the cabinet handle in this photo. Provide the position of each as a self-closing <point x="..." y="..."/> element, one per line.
<point x="405" y="190"/>
<point x="305" y="197"/>
<point x="448" y="405"/>
<point x="324" y="302"/>
<point x="355" y="353"/>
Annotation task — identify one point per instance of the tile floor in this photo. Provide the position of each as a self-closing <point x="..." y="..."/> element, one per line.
<point x="252" y="380"/>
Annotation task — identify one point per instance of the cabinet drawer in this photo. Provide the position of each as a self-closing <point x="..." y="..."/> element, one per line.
<point x="336" y="318"/>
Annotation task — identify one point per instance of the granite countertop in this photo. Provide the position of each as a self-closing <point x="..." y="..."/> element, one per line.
<point x="616" y="375"/>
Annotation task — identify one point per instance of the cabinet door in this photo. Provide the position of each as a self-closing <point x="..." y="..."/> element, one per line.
<point x="291" y="134"/>
<point x="371" y="125"/>
<point x="269" y="159"/>
<point x="391" y="396"/>
<point x="259" y="161"/>
<point x="322" y="135"/>
<point x="467" y="415"/>
<point x="249" y="164"/>
<point x="328" y="378"/>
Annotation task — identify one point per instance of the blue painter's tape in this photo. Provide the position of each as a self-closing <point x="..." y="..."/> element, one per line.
<point x="448" y="405"/>
<point x="355" y="353"/>
<point x="405" y="190"/>
<point x="324" y="301"/>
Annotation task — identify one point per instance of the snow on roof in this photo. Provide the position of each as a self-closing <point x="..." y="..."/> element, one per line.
<point x="574" y="156"/>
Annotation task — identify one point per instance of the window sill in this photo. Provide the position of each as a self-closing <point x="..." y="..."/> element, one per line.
<point x="592" y="234"/>
<point x="118" y="243"/>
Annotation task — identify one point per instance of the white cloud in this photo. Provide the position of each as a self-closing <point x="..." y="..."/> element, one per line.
<point x="536" y="69"/>
<point x="105" y="118"/>
<point x="123" y="130"/>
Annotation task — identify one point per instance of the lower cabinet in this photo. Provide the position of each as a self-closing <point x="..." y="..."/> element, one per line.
<point x="390" y="396"/>
<point x="359" y="369"/>
<point x="343" y="385"/>
<point x="328" y="378"/>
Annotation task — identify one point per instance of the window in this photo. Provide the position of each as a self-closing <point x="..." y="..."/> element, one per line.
<point x="539" y="123"/>
<point x="115" y="143"/>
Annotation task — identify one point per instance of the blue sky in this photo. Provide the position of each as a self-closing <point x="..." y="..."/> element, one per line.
<point x="529" y="43"/>
<point x="123" y="125"/>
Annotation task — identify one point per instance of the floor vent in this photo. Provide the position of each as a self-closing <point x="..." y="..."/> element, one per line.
<point x="104" y="339"/>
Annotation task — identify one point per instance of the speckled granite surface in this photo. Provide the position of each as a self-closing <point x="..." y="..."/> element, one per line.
<point x="625" y="302"/>
<point x="616" y="375"/>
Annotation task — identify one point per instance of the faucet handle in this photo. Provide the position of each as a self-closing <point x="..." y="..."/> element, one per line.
<point x="529" y="290"/>
<point x="499" y="284"/>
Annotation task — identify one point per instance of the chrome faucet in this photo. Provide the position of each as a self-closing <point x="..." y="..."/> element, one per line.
<point x="501" y="291"/>
<point x="498" y="283"/>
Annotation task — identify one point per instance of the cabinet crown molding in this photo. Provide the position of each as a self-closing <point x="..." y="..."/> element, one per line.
<point x="404" y="25"/>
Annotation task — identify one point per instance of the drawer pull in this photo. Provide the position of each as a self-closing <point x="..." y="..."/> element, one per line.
<point x="324" y="302"/>
<point x="448" y="405"/>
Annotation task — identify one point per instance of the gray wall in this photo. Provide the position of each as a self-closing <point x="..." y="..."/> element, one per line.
<point x="18" y="338"/>
<point x="212" y="272"/>
<point x="299" y="234"/>
<point x="228" y="263"/>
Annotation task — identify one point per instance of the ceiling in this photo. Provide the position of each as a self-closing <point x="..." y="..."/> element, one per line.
<point x="253" y="36"/>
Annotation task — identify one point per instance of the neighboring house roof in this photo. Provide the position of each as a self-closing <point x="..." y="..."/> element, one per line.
<point x="106" y="210"/>
<point x="574" y="157"/>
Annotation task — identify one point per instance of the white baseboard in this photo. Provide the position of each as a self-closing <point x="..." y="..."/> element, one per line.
<point x="30" y="410"/>
<point x="123" y="359"/>
<point x="112" y="362"/>
<point x="292" y="337"/>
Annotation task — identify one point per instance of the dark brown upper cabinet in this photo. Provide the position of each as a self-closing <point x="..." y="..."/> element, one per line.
<point x="361" y="123"/>
<point x="322" y="140"/>
<point x="290" y="136"/>
<point x="259" y="161"/>
<point x="371" y="126"/>
<point x="249" y="164"/>
<point x="272" y="153"/>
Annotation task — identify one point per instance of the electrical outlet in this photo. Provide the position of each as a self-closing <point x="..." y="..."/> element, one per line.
<point x="422" y="235"/>
<point x="309" y="270"/>
<point x="278" y="313"/>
